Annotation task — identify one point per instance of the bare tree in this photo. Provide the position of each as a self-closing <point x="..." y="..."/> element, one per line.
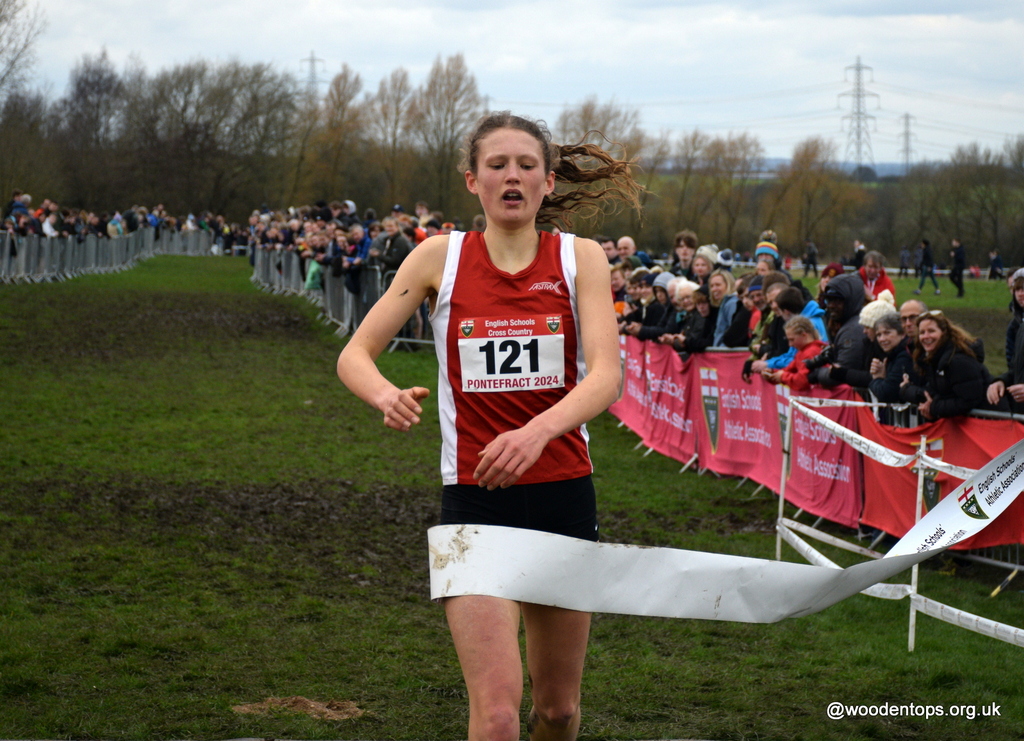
<point x="732" y="164"/>
<point x="341" y="123"/>
<point x="618" y="124"/>
<point x="443" y="109"/>
<point x="20" y="26"/>
<point x="26" y="158"/>
<point x="388" y="123"/>
<point x="811" y="196"/>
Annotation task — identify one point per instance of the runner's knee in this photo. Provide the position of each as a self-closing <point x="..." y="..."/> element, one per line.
<point x="500" y="723"/>
<point x="556" y="714"/>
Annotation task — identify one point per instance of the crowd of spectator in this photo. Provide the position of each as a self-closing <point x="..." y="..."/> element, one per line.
<point x="850" y="330"/>
<point x="21" y="218"/>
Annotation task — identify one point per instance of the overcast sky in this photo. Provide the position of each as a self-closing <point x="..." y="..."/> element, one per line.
<point x="776" y="70"/>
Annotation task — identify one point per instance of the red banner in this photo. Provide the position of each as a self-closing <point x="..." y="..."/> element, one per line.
<point x="742" y="433"/>
<point x="670" y="428"/>
<point x="890" y="493"/>
<point x="825" y="476"/>
<point x="704" y="406"/>
<point x="631" y="409"/>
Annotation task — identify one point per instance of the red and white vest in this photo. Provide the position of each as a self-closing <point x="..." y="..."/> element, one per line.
<point x="508" y="348"/>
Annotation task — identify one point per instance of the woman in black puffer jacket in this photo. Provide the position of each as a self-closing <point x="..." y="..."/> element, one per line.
<point x="955" y="381"/>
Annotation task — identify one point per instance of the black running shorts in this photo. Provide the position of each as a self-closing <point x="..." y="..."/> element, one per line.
<point x="560" y="507"/>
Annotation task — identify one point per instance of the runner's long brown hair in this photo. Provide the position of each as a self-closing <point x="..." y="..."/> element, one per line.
<point x="580" y="165"/>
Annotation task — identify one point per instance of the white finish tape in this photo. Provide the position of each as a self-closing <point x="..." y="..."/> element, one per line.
<point x="547" y="569"/>
<point x="859" y="443"/>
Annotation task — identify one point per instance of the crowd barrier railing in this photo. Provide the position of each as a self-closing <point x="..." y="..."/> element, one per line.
<point x="835" y="462"/>
<point x="35" y="259"/>
<point x="344" y="299"/>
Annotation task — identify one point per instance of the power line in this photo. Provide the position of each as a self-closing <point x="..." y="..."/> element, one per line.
<point x="959" y="100"/>
<point x="694" y="101"/>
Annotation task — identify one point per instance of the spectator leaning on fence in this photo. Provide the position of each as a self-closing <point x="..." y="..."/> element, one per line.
<point x="770" y="335"/>
<point x="649" y="312"/>
<point x="888" y="370"/>
<point x="788" y="303"/>
<point x="955" y="382"/>
<point x="859" y="376"/>
<point x="722" y="291"/>
<point x="1011" y="384"/>
<point x="738" y="332"/>
<point x="844" y="298"/>
<point x="805" y="343"/>
<point x="391" y="247"/>
<point x="689" y="318"/>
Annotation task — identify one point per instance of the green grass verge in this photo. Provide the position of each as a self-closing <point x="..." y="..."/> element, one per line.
<point x="194" y="514"/>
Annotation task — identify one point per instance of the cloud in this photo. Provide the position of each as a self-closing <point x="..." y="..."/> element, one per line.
<point x="683" y="64"/>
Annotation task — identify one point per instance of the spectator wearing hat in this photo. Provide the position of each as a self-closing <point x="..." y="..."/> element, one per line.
<point x="830" y="271"/>
<point x="664" y="294"/>
<point x="752" y="307"/>
<point x="860" y="376"/>
<point x="766" y="254"/>
<point x="726" y="259"/>
<point x="872" y="273"/>
<point x="432" y="227"/>
<point x="703" y="263"/>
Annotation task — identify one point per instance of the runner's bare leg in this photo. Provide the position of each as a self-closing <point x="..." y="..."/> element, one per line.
<point x="556" y="646"/>
<point x="486" y="635"/>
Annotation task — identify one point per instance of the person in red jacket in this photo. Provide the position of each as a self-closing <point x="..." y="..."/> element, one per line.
<point x="803" y="337"/>
<point x="874" y="277"/>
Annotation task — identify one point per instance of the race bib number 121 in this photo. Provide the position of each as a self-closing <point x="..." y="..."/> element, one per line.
<point x="512" y="353"/>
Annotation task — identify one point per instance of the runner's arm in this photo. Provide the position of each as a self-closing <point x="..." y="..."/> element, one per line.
<point x="418" y="278"/>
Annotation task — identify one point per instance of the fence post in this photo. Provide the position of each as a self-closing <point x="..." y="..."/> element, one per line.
<point x="912" y="633"/>
<point x="787" y="444"/>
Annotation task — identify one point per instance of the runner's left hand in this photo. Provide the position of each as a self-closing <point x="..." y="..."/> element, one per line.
<point x="507" y="457"/>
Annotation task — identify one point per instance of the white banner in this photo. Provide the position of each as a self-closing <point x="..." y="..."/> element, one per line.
<point x="547" y="569"/>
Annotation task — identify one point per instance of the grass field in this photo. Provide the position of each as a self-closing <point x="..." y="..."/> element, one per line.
<point x="194" y="515"/>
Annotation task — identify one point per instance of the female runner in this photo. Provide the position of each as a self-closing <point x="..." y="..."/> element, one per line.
<point x="514" y="311"/>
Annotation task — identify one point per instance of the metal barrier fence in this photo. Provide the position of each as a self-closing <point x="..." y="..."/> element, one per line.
<point x="344" y="299"/>
<point x="35" y="259"/>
